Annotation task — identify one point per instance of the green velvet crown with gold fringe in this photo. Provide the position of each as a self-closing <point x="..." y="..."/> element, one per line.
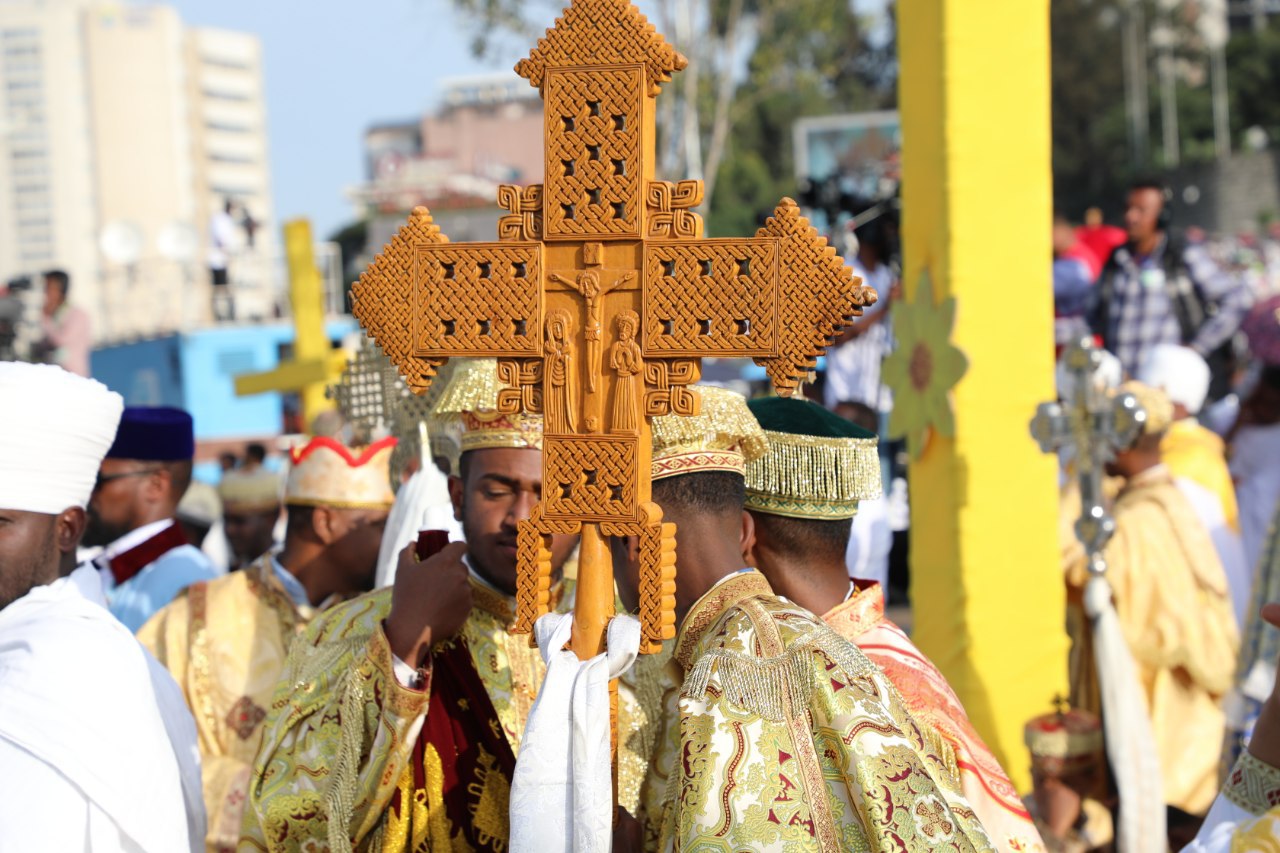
<point x="819" y="465"/>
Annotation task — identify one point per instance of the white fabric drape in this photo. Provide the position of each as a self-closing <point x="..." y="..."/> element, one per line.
<point x="562" y="793"/>
<point x="1130" y="741"/>
<point x="78" y="695"/>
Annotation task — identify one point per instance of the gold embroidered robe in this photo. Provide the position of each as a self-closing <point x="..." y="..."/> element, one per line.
<point x="340" y="738"/>
<point x="1171" y="596"/>
<point x="933" y="703"/>
<point x="224" y="641"/>
<point x="786" y="737"/>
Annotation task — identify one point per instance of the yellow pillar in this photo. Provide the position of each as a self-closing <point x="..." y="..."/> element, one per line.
<point x="977" y="197"/>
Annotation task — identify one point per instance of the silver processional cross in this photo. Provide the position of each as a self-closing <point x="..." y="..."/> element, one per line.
<point x="1093" y="425"/>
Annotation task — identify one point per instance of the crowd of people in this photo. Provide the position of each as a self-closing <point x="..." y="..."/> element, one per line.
<point x="276" y="666"/>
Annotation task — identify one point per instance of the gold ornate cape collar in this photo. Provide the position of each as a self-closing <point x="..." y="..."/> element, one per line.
<point x="503" y="607"/>
<point x="707" y="610"/>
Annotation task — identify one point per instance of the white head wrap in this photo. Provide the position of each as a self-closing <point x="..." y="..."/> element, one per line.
<point x="1179" y="372"/>
<point x="55" y="430"/>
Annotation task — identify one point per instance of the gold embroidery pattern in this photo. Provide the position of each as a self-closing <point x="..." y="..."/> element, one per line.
<point x="1253" y="785"/>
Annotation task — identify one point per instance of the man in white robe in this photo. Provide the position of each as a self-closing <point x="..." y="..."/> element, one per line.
<point x="97" y="752"/>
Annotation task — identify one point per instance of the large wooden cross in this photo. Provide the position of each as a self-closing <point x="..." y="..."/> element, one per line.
<point x="599" y="300"/>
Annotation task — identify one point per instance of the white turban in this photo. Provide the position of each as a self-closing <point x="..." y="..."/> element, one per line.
<point x="54" y="431"/>
<point x="1178" y="371"/>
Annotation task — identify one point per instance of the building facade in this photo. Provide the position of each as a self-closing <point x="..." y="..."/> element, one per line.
<point x="123" y="134"/>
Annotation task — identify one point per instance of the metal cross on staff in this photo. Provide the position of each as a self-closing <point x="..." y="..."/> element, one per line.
<point x="373" y="397"/>
<point x="599" y="300"/>
<point x="1095" y="425"/>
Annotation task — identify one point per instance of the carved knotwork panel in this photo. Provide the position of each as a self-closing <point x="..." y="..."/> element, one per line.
<point x="383" y="299"/>
<point x="524" y="222"/>
<point x="590" y="478"/>
<point x="711" y="297"/>
<point x="669" y="392"/>
<point x="478" y="299"/>
<point x="361" y="393"/>
<point x="817" y="295"/>
<point x="671" y="207"/>
<point x="602" y="32"/>
<point x="593" y="183"/>
<point x="657" y="553"/>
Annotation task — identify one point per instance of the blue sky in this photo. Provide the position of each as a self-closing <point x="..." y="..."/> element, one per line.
<point x="332" y="68"/>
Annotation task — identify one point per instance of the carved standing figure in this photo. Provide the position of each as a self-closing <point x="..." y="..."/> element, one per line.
<point x="627" y="361"/>
<point x="560" y="405"/>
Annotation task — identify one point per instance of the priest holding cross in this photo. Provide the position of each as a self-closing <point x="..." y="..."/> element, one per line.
<point x="402" y="714"/>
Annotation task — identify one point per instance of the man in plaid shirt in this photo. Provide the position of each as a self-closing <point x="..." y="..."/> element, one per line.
<point x="1152" y="291"/>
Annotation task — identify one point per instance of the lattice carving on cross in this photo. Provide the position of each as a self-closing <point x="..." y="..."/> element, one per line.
<point x="382" y="298"/>
<point x="657" y="548"/>
<point x="812" y="281"/>
<point x="608" y="32"/>
<point x="599" y="301"/>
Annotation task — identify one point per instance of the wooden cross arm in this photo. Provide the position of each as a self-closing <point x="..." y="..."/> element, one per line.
<point x="817" y="296"/>
<point x="425" y="300"/>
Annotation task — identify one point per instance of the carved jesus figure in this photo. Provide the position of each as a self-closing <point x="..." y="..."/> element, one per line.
<point x="627" y="361"/>
<point x="593" y="293"/>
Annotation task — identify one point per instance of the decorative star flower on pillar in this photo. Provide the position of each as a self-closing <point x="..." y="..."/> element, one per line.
<point x="923" y="368"/>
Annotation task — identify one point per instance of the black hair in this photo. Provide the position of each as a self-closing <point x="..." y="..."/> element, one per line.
<point x="1148" y="182"/>
<point x="298" y="518"/>
<point x="61" y="279"/>
<point x="717" y="492"/>
<point x="813" y="538"/>
<point x="255" y="451"/>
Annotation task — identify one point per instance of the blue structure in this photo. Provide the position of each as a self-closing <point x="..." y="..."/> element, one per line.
<point x="196" y="371"/>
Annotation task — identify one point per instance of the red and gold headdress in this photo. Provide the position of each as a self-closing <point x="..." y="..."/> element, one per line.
<point x="327" y="473"/>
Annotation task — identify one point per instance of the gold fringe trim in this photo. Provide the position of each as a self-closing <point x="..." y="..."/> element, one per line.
<point x="808" y="476"/>
<point x="723" y="422"/>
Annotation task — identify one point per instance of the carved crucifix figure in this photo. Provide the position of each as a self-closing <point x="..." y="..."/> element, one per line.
<point x="603" y="257"/>
<point x="593" y="293"/>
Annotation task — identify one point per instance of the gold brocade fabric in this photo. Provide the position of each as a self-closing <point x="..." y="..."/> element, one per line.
<point x="933" y="703"/>
<point x="1198" y="454"/>
<point x="338" y="745"/>
<point x="1171" y="596"/>
<point x="789" y="738"/>
<point x="224" y="641"/>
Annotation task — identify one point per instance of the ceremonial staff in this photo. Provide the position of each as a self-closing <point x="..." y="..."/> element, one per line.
<point x="1094" y="424"/>
<point x="599" y="299"/>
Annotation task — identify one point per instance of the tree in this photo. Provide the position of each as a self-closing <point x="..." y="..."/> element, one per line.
<point x="1091" y="149"/>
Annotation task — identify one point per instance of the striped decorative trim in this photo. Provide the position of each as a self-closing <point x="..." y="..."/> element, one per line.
<point x="698" y="461"/>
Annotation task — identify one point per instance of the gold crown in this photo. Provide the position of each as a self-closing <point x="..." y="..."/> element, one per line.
<point x="1065" y="741"/>
<point x="723" y="436"/>
<point x="466" y="416"/>
<point x="816" y="477"/>
<point x="327" y="473"/>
